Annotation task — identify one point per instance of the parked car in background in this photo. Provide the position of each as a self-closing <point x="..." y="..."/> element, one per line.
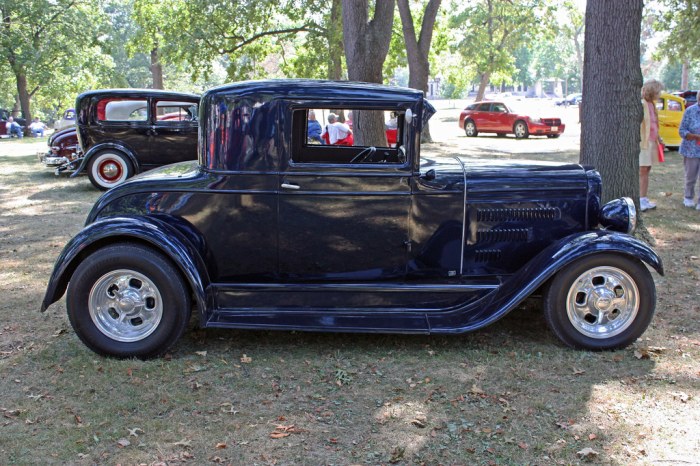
<point x="670" y="109"/>
<point x="690" y="97"/>
<point x="571" y="99"/>
<point x="67" y="120"/>
<point x="496" y="117"/>
<point x="64" y="150"/>
<point x="269" y="231"/>
<point x="123" y="132"/>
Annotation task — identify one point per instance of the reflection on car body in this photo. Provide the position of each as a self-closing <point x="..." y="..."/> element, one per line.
<point x="267" y="230"/>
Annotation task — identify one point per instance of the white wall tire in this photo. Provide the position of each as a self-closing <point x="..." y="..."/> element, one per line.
<point x="109" y="169"/>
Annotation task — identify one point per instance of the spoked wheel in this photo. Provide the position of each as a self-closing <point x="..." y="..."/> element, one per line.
<point x="108" y="169"/>
<point x="604" y="301"/>
<point x="520" y="130"/>
<point x="470" y="129"/>
<point x="127" y="300"/>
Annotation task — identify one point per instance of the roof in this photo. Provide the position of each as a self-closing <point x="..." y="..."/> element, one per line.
<point x="316" y="89"/>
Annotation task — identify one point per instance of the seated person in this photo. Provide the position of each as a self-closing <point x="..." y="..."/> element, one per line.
<point x="337" y="133"/>
<point x="13" y="128"/>
<point x="37" y="128"/>
<point x="314" y="128"/>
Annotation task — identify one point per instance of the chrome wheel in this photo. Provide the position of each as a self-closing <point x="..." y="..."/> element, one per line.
<point x="108" y="169"/>
<point x="520" y="130"/>
<point x="125" y="305"/>
<point x="470" y="129"/>
<point x="602" y="302"/>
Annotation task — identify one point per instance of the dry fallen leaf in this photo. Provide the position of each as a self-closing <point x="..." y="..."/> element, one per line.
<point x="201" y="353"/>
<point x="579" y="371"/>
<point x="592" y="437"/>
<point x="475" y="390"/>
<point x="587" y="454"/>
<point x="183" y="443"/>
<point x="122" y="443"/>
<point x="682" y="396"/>
<point x="279" y="434"/>
<point x="220" y="445"/>
<point x="246" y="359"/>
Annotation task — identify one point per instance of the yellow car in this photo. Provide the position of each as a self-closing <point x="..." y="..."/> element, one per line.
<point x="670" y="108"/>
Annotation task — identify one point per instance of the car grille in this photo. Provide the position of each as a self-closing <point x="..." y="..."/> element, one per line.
<point x="551" y="121"/>
<point x="498" y="235"/>
<point x="516" y="215"/>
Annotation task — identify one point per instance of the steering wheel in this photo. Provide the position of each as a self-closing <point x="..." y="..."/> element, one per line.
<point x="364" y="155"/>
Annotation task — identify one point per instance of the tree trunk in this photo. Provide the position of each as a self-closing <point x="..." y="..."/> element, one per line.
<point x="610" y="133"/>
<point x="684" y="76"/>
<point x="417" y="49"/>
<point x="23" y="95"/>
<point x="366" y="46"/>
<point x="156" y="69"/>
<point x="335" y="42"/>
<point x="483" y="82"/>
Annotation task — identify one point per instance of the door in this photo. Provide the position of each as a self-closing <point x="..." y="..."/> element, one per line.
<point x="173" y="136"/>
<point x="343" y="210"/>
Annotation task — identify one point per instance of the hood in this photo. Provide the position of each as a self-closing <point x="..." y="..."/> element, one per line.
<point x="493" y="176"/>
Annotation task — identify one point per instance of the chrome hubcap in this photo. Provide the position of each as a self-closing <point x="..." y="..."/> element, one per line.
<point x="125" y="305"/>
<point x="110" y="170"/>
<point x="602" y="302"/>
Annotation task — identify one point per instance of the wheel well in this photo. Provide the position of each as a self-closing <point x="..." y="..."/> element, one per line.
<point x="110" y="241"/>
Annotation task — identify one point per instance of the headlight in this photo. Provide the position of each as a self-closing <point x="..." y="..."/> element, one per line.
<point x="619" y="215"/>
<point x="536" y="120"/>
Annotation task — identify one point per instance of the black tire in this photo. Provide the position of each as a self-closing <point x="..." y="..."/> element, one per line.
<point x="601" y="302"/>
<point x="520" y="130"/>
<point x="127" y="300"/>
<point x="501" y="135"/>
<point x="108" y="169"/>
<point x="470" y="129"/>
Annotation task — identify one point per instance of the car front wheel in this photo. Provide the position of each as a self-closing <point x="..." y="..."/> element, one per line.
<point x="108" y="169"/>
<point x="604" y="301"/>
<point x="520" y="130"/>
<point x="127" y="300"/>
<point x="470" y="129"/>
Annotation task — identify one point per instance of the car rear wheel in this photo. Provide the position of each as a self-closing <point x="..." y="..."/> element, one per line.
<point x="109" y="169"/>
<point x="604" y="301"/>
<point x="127" y="300"/>
<point x="520" y="130"/>
<point x="470" y="129"/>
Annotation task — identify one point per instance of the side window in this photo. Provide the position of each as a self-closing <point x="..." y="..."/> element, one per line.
<point x="484" y="108"/>
<point x="674" y="106"/>
<point x="122" y="110"/>
<point x="168" y="111"/>
<point x="348" y="136"/>
<point x="500" y="108"/>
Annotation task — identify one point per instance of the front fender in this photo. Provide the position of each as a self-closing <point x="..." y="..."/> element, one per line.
<point x="107" y="145"/>
<point x="545" y="265"/>
<point x="150" y="230"/>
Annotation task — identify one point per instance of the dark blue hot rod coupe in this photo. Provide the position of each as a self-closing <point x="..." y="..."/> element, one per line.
<point x="273" y="230"/>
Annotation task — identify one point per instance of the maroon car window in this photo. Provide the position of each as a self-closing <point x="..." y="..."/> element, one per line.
<point x="484" y="107"/>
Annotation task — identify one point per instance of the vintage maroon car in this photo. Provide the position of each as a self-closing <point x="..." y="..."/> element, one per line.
<point x="496" y="117"/>
<point x="64" y="150"/>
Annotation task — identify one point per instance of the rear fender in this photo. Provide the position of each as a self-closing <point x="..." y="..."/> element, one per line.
<point x="156" y="233"/>
<point x="538" y="271"/>
<point x="99" y="148"/>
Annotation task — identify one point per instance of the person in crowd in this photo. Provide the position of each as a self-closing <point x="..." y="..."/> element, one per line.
<point x="37" y="128"/>
<point x="314" y="128"/>
<point x="648" y="145"/>
<point x="13" y="128"/>
<point x="337" y="133"/>
<point x="690" y="150"/>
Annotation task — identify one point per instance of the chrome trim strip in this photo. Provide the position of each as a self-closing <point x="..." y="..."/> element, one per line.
<point x="464" y="216"/>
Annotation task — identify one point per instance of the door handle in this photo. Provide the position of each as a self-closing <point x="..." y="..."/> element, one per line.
<point x="290" y="186"/>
